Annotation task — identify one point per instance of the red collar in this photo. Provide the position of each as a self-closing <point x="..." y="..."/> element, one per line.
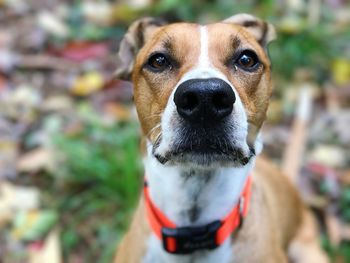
<point x="184" y="240"/>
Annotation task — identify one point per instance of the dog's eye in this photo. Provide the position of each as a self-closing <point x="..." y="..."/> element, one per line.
<point x="247" y="60"/>
<point x="158" y="62"/>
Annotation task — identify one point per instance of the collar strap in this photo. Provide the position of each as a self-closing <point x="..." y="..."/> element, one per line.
<point x="185" y="240"/>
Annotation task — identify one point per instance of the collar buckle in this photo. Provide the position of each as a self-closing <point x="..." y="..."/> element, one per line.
<point x="185" y="240"/>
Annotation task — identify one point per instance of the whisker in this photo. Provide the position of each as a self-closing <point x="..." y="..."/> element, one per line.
<point x="158" y="136"/>
<point x="154" y="129"/>
<point x="153" y="116"/>
<point x="157" y="142"/>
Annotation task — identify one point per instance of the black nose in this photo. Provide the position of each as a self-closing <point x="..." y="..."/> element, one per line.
<point x="204" y="100"/>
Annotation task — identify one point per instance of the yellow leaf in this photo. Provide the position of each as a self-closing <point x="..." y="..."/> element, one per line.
<point x="341" y="71"/>
<point x="87" y="84"/>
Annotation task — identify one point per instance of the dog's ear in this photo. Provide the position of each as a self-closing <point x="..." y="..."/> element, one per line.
<point x="262" y="31"/>
<point x="136" y="36"/>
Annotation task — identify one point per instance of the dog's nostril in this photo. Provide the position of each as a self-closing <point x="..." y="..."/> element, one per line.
<point x="221" y="101"/>
<point x="189" y="101"/>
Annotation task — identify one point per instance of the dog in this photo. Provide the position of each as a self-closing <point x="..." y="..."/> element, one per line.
<point x="201" y="95"/>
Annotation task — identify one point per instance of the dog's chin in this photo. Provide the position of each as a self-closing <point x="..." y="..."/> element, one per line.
<point x="205" y="158"/>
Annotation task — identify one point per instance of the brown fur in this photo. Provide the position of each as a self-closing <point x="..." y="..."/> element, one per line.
<point x="152" y="90"/>
<point x="273" y="214"/>
<point x="133" y="246"/>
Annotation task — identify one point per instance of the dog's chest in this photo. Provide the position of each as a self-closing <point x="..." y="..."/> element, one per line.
<point x="193" y="198"/>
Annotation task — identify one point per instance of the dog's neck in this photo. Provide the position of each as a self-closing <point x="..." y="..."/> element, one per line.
<point x="194" y="196"/>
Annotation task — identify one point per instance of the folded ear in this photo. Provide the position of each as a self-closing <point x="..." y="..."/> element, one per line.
<point x="262" y="31"/>
<point x="136" y="36"/>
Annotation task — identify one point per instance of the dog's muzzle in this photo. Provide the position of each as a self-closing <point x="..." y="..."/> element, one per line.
<point x="207" y="127"/>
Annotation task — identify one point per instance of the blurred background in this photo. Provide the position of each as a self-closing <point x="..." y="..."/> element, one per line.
<point x="70" y="170"/>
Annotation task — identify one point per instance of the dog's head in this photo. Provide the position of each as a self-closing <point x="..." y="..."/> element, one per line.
<point x="201" y="92"/>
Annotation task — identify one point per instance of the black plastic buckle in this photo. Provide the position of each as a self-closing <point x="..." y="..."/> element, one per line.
<point x="189" y="239"/>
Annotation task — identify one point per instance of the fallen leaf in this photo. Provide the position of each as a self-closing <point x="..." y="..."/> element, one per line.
<point x="57" y="103"/>
<point x="33" y="225"/>
<point x="118" y="111"/>
<point x="35" y="160"/>
<point x="81" y="51"/>
<point x="52" y="24"/>
<point x="49" y="251"/>
<point x="87" y="84"/>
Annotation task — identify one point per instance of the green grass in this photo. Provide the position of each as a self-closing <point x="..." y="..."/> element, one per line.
<point x="95" y="184"/>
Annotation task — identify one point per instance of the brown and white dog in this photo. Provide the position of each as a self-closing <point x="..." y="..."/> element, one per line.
<point x="201" y="94"/>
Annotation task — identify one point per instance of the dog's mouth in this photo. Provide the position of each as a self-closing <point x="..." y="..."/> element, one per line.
<point x="204" y="149"/>
<point x="235" y="158"/>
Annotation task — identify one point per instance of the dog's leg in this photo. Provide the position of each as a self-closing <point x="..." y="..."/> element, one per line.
<point x="305" y="247"/>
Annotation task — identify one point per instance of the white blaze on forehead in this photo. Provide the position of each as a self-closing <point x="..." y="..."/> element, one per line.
<point x="204" y="54"/>
<point x="203" y="69"/>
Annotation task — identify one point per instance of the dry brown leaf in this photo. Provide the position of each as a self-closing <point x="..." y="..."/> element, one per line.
<point x="118" y="111"/>
<point x="345" y="177"/>
<point x="35" y="160"/>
